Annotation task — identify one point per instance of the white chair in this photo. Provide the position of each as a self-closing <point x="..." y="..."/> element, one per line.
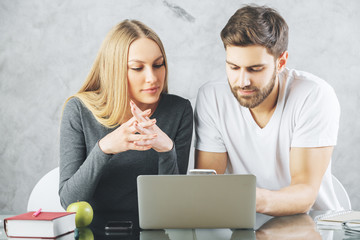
<point x="341" y="194"/>
<point x="45" y="194"/>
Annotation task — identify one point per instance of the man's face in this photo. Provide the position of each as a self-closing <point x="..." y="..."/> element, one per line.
<point x="251" y="72"/>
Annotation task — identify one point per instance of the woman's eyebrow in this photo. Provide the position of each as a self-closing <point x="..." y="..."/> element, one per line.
<point x="140" y="61"/>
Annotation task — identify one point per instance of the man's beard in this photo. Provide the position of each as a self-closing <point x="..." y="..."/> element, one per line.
<point x="255" y="99"/>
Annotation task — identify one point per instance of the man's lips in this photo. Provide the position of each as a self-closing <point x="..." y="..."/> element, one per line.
<point x="245" y="92"/>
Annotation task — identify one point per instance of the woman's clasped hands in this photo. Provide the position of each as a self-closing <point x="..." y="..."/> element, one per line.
<point x="138" y="133"/>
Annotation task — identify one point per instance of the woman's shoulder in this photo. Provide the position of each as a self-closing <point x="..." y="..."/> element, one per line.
<point x="73" y="104"/>
<point x="174" y="100"/>
<point x="174" y="103"/>
<point x="174" y="108"/>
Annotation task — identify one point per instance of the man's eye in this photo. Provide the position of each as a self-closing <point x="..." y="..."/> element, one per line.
<point x="234" y="67"/>
<point x="256" y="69"/>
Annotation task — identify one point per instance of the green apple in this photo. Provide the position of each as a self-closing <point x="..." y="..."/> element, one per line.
<point x="85" y="234"/>
<point x="84" y="213"/>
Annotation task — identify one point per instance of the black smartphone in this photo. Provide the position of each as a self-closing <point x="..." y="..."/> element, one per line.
<point x="118" y="227"/>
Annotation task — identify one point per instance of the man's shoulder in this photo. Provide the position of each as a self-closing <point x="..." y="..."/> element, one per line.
<point x="306" y="89"/>
<point x="301" y="82"/>
<point x="214" y="90"/>
<point x="305" y="79"/>
<point x="214" y="85"/>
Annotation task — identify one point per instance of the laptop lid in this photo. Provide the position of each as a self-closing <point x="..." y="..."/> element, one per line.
<point x="196" y="201"/>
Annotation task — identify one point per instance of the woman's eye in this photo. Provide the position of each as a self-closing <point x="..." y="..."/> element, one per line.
<point x="136" y="69"/>
<point x="158" y="65"/>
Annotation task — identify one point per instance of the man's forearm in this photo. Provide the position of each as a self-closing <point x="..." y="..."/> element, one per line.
<point x="290" y="200"/>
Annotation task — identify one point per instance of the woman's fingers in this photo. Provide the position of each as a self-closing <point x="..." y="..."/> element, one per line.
<point x="148" y="123"/>
<point x="140" y="137"/>
<point x="144" y="143"/>
<point x="141" y="142"/>
<point x="133" y="146"/>
<point x="139" y="127"/>
<point x="145" y="113"/>
<point x="138" y="114"/>
<point x="130" y="122"/>
<point x="142" y="130"/>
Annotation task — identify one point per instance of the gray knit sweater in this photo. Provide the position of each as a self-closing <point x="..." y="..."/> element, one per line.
<point x="108" y="182"/>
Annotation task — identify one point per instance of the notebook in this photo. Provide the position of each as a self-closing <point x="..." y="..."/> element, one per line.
<point x="338" y="217"/>
<point x="196" y="201"/>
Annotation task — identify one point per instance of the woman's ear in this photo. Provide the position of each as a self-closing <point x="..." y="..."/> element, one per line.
<point x="282" y="60"/>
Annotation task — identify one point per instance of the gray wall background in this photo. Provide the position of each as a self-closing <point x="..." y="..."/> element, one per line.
<point x="48" y="47"/>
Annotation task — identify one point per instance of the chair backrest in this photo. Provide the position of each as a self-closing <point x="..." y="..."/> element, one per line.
<point x="45" y="194"/>
<point x="341" y="194"/>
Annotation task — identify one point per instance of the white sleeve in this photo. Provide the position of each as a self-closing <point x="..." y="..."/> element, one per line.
<point x="317" y="122"/>
<point x="207" y="135"/>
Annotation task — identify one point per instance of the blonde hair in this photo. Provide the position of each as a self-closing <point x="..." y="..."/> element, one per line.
<point x="105" y="90"/>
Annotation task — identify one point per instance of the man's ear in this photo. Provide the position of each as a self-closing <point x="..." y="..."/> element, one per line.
<point x="282" y="60"/>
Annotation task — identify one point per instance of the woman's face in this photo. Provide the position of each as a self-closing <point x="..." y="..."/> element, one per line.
<point x="146" y="72"/>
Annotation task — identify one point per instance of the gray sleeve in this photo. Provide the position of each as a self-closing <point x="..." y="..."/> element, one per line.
<point x="176" y="160"/>
<point x="79" y="174"/>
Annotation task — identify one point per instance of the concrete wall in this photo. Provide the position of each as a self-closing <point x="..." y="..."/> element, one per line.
<point x="48" y="47"/>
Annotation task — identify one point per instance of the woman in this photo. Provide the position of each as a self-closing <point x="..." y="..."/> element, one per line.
<point x="122" y="123"/>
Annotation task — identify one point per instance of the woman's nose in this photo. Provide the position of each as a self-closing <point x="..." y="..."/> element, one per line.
<point x="150" y="76"/>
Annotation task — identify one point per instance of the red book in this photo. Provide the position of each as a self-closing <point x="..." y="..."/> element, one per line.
<point x="44" y="225"/>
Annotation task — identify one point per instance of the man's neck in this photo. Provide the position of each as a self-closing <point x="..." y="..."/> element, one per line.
<point x="263" y="112"/>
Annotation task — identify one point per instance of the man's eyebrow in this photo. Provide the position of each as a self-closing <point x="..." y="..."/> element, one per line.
<point x="228" y="62"/>
<point x="255" y="65"/>
<point x="139" y="61"/>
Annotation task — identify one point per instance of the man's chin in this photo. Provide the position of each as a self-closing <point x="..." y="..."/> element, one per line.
<point x="247" y="102"/>
<point x="244" y="102"/>
<point x="247" y="105"/>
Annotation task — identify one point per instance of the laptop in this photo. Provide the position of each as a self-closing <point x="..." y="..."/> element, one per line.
<point x="196" y="201"/>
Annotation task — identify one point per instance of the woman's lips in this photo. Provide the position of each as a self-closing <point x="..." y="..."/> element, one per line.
<point x="150" y="90"/>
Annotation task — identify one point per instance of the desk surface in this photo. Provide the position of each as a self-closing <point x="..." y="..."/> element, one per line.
<point x="299" y="226"/>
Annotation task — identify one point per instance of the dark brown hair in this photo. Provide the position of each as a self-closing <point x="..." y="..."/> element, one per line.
<point x="257" y="25"/>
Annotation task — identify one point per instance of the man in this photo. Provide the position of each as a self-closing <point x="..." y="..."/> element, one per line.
<point x="270" y="121"/>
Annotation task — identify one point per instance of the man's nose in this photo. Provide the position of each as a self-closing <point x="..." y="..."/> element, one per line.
<point x="243" y="79"/>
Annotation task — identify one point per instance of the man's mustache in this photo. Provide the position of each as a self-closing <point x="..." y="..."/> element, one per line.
<point x="247" y="88"/>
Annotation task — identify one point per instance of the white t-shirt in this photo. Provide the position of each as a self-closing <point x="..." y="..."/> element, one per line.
<point x="306" y="115"/>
